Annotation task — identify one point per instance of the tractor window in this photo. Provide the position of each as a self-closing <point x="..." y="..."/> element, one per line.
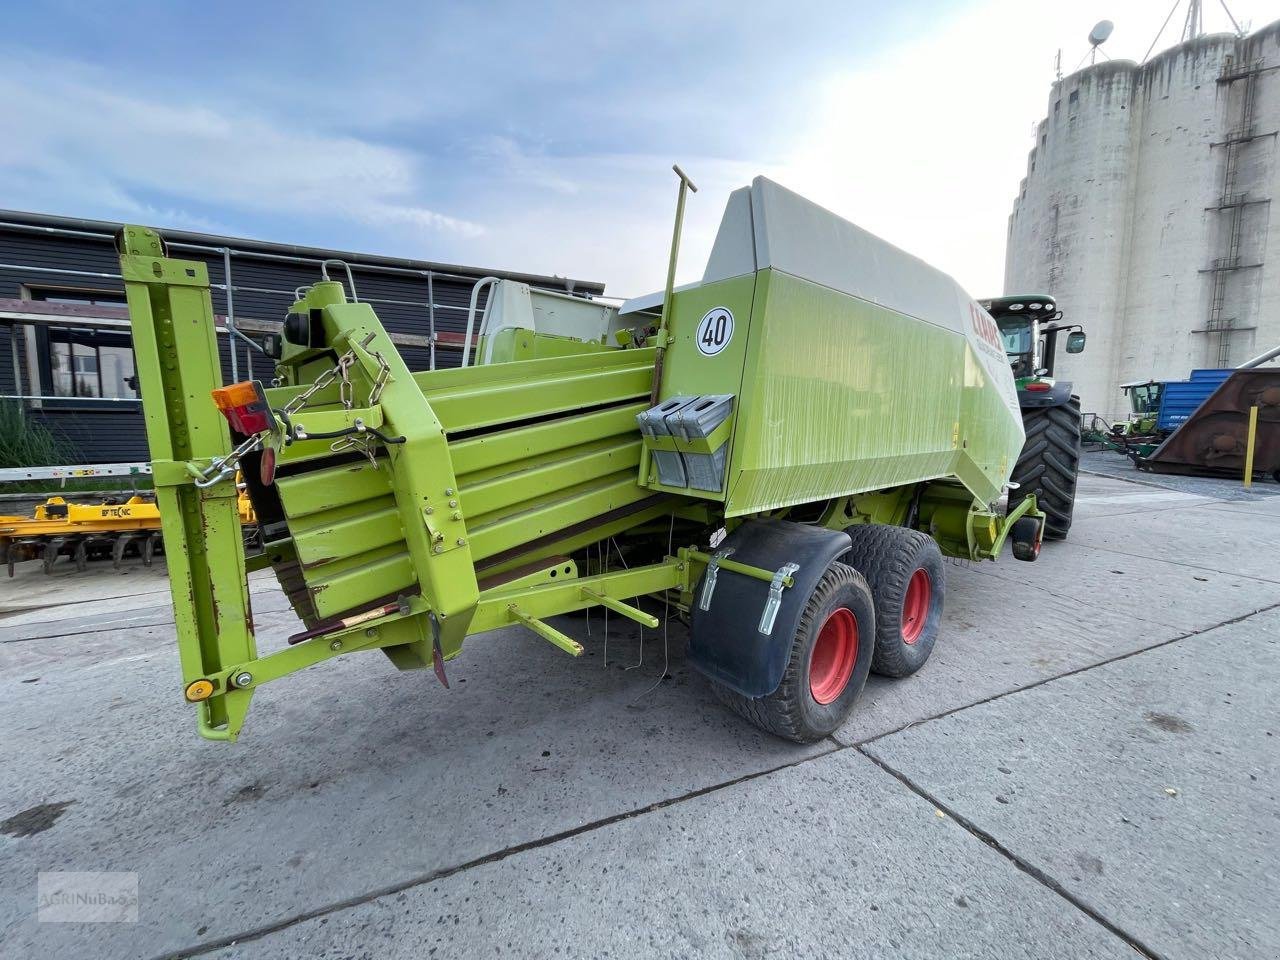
<point x="1016" y="333"/>
<point x="1018" y="343"/>
<point x="1145" y="398"/>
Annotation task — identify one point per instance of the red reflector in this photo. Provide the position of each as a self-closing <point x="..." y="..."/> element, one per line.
<point x="267" y="467"/>
<point x="245" y="407"/>
<point x="1039" y="386"/>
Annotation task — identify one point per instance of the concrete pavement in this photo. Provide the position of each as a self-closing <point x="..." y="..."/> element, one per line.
<point x="1007" y="801"/>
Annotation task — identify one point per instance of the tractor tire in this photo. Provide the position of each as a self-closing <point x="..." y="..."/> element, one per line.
<point x="1049" y="464"/>
<point x="828" y="665"/>
<point x="904" y="570"/>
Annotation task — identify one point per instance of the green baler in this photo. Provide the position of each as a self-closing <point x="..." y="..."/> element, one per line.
<point x="784" y="452"/>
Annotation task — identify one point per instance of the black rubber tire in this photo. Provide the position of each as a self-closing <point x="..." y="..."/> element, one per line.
<point x="1049" y="464"/>
<point x="791" y="711"/>
<point x="888" y="557"/>
<point x="1023" y="538"/>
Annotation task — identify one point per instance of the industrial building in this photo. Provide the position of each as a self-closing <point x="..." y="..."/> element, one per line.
<point x="65" y="348"/>
<point x="1146" y="211"/>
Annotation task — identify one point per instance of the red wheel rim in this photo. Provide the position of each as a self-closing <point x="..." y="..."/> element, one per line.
<point x="915" y="606"/>
<point x="834" y="655"/>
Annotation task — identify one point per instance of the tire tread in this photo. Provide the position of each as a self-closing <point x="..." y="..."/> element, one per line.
<point x="885" y="554"/>
<point x="779" y="713"/>
<point x="1049" y="464"/>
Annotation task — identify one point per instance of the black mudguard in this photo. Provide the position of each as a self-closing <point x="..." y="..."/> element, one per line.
<point x="725" y="643"/>
<point x="1055" y="396"/>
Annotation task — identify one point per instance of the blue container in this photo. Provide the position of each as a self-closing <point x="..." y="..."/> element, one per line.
<point x="1181" y="398"/>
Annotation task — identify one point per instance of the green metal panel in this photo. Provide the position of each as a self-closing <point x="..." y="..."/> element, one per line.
<point x="347" y="531"/>
<point x="517" y="343"/>
<point x="506" y="449"/>
<point x="548" y="474"/>
<point x="352" y="582"/>
<point x="563" y="508"/>
<point x="537" y="388"/>
<point x="323" y="490"/>
<point x="687" y="372"/>
<point x="837" y="395"/>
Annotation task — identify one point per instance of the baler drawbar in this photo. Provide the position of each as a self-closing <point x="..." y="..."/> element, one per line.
<point x="785" y="451"/>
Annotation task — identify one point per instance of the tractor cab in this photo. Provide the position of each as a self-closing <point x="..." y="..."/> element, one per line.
<point x="1029" y="326"/>
<point x="1144" y="396"/>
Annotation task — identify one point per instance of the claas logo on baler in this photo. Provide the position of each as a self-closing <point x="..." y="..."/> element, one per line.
<point x="984" y="327"/>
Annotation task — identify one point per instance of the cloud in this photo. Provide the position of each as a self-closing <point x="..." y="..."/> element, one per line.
<point x="597" y="216"/>
<point x="116" y="153"/>
<point x="542" y="140"/>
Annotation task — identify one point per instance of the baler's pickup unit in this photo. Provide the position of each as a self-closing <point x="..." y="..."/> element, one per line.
<point x="801" y="391"/>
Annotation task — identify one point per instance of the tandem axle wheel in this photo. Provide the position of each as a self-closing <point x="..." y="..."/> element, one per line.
<point x="869" y="598"/>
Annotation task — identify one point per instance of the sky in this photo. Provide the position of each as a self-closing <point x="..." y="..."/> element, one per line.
<point x="540" y="137"/>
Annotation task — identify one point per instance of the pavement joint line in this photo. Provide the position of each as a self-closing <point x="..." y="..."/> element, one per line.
<point x="1161" y="486"/>
<point x="257" y="933"/>
<point x="83" y="633"/>
<point x="1141" y="511"/>
<point x="166" y="592"/>
<point x="169" y="622"/>
<point x="72" y="603"/>
<point x="1134" y="480"/>
<point x="995" y="571"/>
<point x="1179" y="563"/>
<point x="265" y="930"/>
<point x="1058" y="593"/>
<point x="1025" y="866"/>
<point x="859" y="744"/>
<point x="1244" y="506"/>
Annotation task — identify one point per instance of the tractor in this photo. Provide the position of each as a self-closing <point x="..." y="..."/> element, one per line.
<point x="1050" y="459"/>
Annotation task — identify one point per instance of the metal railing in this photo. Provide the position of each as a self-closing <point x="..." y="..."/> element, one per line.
<point x="229" y="287"/>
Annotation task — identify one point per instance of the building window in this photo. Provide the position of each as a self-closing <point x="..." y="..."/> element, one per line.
<point x="90" y="362"/>
<point x="86" y="298"/>
<point x="1074" y="99"/>
<point x="85" y="362"/>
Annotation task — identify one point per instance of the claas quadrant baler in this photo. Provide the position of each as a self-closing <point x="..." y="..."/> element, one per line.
<point x="783" y="452"/>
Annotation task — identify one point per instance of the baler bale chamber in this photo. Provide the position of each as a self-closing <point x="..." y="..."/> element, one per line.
<point x="784" y="451"/>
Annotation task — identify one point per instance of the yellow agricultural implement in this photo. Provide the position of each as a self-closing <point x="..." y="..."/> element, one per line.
<point x="88" y="531"/>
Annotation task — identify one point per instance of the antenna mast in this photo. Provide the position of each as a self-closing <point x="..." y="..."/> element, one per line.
<point x="1194" y="25"/>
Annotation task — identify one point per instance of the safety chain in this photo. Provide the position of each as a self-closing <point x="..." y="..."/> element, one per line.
<point x="362" y="441"/>
<point x="344" y="371"/>
<point x="223" y="468"/>
<point x="379" y="381"/>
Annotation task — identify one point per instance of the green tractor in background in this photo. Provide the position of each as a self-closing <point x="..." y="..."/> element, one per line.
<point x="1144" y="408"/>
<point x="1050" y="458"/>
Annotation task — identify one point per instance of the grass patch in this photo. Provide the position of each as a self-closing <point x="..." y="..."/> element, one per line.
<point x="26" y="442"/>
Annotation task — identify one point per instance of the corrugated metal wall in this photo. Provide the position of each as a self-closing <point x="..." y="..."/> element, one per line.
<point x="1181" y="398"/>
<point x="112" y="431"/>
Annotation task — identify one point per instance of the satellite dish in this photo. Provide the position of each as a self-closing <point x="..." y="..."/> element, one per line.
<point x="1102" y="29"/>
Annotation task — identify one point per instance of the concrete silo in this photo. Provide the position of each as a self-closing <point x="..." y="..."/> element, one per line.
<point x="1146" y="212"/>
